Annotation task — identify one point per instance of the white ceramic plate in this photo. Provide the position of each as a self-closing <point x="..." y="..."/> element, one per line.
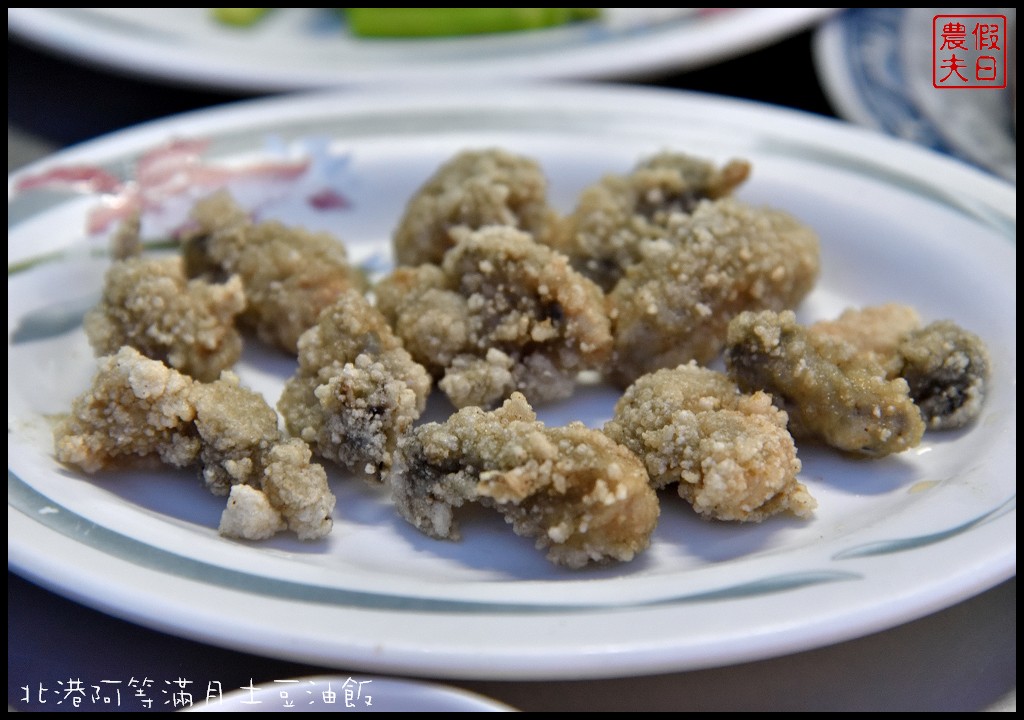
<point x="350" y="693"/>
<point x="893" y="539"/>
<point x="298" y="48"/>
<point x="875" y="64"/>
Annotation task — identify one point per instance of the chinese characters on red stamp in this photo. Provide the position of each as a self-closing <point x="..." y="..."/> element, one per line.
<point x="969" y="51"/>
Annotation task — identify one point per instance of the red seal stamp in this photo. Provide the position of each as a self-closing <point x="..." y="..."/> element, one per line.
<point x="969" y="51"/>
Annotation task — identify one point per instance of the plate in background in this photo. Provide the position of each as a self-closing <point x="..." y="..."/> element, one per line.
<point x="875" y="67"/>
<point x="303" y="48"/>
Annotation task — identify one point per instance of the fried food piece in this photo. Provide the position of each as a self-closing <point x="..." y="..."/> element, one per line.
<point x="945" y="366"/>
<point x="356" y="389"/>
<point x="474" y="189"/>
<point x="583" y="497"/>
<point x="151" y="305"/>
<point x="842" y="397"/>
<point x="725" y="257"/>
<point x="289" y="274"/>
<point x="602" y="236"/>
<point x="139" y="407"/>
<point x="135" y="408"/>
<point x="729" y="452"/>
<point x="502" y="313"/>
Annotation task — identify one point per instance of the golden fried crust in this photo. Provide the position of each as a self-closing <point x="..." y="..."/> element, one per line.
<point x="848" y="402"/>
<point x="947" y="369"/>
<point x="289" y="274"/>
<point x="139" y="407"/>
<point x="602" y="236"/>
<point x="431" y="320"/>
<point x="151" y="305"/>
<point x="583" y="497"/>
<point x="503" y="313"/>
<point x="237" y="428"/>
<point x="946" y="366"/>
<point x="135" y="407"/>
<point x="356" y="390"/>
<point x="873" y="331"/>
<point x="729" y="452"/>
<point x="297" y="488"/>
<point x="473" y="190"/>
<point x="676" y="303"/>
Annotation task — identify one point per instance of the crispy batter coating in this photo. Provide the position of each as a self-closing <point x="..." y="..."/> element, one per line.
<point x="845" y="398"/>
<point x="947" y="369"/>
<point x="582" y="496"/>
<point x="151" y="305"/>
<point x="474" y="189"/>
<point x="297" y="488"/>
<point x="876" y="331"/>
<point x="502" y="313"/>
<point x="139" y="407"/>
<point x="289" y="274"/>
<point x="602" y="236"/>
<point x="729" y="452"/>
<point x="136" y="407"/>
<point x="946" y="366"/>
<point x="725" y="257"/>
<point x="356" y="389"/>
<point x="250" y="515"/>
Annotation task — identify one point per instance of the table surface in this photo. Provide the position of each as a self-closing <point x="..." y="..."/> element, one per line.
<point x="961" y="658"/>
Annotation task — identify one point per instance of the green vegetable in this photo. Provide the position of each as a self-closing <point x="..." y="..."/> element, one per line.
<point x="433" y="22"/>
<point x="239" y="17"/>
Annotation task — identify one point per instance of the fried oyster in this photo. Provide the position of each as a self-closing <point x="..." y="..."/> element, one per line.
<point x="502" y="313"/>
<point x="603" y="235"/>
<point x="729" y="452"/>
<point x="356" y="389"/>
<point x="675" y="304"/>
<point x="843" y="397"/>
<point x="289" y="274"/>
<point x="583" y="497"/>
<point x="138" y="407"/>
<point x="151" y="305"/>
<point x="945" y="366"/>
<point x="474" y="189"/>
<point x="870" y="381"/>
